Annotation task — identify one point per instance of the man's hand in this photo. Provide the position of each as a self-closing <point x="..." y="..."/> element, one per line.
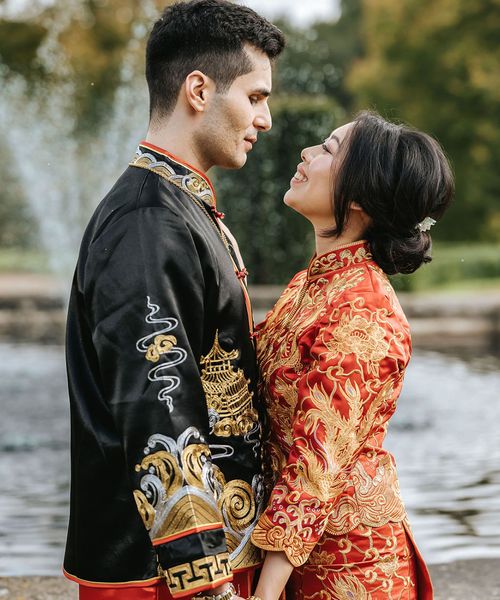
<point x="218" y="590"/>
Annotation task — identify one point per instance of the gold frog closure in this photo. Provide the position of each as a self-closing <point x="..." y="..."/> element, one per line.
<point x="229" y="399"/>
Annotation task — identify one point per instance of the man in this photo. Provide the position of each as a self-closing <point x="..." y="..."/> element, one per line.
<point x="166" y="474"/>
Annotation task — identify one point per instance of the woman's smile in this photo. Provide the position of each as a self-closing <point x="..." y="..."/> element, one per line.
<point x="299" y="177"/>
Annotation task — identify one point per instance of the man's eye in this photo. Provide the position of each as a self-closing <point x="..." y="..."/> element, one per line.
<point x="254" y="99"/>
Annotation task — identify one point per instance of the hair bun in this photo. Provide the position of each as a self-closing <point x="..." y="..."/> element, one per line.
<point x="400" y="254"/>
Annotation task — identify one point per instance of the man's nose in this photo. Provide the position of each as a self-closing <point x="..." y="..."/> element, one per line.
<point x="263" y="120"/>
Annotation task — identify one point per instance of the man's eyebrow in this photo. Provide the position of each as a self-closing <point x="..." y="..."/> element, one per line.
<point x="263" y="92"/>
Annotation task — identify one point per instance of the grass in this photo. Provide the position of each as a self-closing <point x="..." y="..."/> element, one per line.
<point x="15" y="260"/>
<point x="456" y="267"/>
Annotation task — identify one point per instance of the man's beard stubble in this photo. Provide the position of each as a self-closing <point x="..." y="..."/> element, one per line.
<point x="216" y="140"/>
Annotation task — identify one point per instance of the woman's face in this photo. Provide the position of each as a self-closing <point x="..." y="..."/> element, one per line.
<point x="310" y="192"/>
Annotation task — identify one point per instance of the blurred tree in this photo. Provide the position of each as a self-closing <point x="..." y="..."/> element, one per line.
<point x="437" y="66"/>
<point x="19" y="43"/>
<point x="316" y="60"/>
<point x="103" y="38"/>
<point x="18" y="228"/>
<point x="95" y="44"/>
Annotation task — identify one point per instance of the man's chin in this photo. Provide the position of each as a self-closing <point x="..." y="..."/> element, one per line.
<point x="236" y="161"/>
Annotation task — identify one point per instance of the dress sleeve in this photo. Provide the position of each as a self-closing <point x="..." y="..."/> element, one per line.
<point x="145" y="290"/>
<point x="357" y="360"/>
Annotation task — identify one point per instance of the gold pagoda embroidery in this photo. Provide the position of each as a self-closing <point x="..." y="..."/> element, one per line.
<point x="229" y="399"/>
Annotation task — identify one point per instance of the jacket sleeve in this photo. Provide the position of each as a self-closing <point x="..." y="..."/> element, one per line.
<point x="357" y="360"/>
<point x="145" y="291"/>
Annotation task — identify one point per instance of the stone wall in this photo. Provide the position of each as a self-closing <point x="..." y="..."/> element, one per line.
<point x="33" y="309"/>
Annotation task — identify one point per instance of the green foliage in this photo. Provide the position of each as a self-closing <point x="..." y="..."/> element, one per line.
<point x="20" y="260"/>
<point x="316" y="60"/>
<point x="19" y="43"/>
<point x="452" y="265"/>
<point x="437" y="66"/>
<point x="275" y="241"/>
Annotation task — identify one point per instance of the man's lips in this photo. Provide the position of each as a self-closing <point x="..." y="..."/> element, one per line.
<point x="250" y="141"/>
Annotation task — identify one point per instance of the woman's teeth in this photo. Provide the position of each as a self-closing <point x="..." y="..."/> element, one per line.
<point x="299" y="177"/>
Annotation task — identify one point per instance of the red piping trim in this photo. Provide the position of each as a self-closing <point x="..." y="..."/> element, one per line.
<point x="176" y="536"/>
<point x="114" y="584"/>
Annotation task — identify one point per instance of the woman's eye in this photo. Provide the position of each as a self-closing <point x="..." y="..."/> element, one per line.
<point x="325" y="148"/>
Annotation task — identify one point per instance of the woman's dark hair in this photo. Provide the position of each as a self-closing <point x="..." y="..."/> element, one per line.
<point x="398" y="176"/>
<point x="205" y="35"/>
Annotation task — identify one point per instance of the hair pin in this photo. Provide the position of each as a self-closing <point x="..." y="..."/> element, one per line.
<point x="426" y="224"/>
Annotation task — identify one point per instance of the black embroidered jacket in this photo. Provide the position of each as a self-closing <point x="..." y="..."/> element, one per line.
<point x="166" y="474"/>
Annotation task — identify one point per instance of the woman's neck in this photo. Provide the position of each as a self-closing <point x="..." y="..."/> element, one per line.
<point x="327" y="244"/>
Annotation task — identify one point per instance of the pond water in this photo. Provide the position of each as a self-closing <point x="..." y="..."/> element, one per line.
<point x="445" y="437"/>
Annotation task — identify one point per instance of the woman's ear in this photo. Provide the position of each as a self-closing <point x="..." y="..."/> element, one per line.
<point x="360" y="215"/>
<point x="355" y="206"/>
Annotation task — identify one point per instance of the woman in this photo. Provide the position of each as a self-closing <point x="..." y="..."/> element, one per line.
<point x="333" y="353"/>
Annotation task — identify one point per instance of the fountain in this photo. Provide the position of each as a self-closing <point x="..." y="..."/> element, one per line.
<point x="64" y="175"/>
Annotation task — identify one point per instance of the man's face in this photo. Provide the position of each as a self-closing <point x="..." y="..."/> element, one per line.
<point x="234" y="119"/>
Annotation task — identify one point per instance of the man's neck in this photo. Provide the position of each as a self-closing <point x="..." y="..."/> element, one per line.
<point x="175" y="141"/>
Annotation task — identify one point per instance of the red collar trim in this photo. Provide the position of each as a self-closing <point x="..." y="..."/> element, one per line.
<point x="180" y="162"/>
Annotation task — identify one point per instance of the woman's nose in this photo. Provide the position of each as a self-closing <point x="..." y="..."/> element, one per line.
<point x="305" y="155"/>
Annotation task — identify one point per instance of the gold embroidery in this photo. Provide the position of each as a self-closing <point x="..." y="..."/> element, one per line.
<point x="365" y="563"/>
<point x="364" y="338"/>
<point x="350" y="588"/>
<point x="238" y="505"/>
<point x="190" y="181"/>
<point x="239" y="509"/>
<point x="338" y="258"/>
<point x="275" y="538"/>
<point x="229" y="399"/>
<point x="189" y="514"/>
<point x="145" y="509"/>
<point x="194" y="457"/>
<point x="185" y="493"/>
<point x="189" y="577"/>
<point x="161" y="345"/>
<point x="375" y="500"/>
<point x="171" y="506"/>
<point x="165" y="466"/>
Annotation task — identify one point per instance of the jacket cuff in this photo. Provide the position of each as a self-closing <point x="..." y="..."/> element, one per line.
<point x="198" y="575"/>
<point x="271" y="537"/>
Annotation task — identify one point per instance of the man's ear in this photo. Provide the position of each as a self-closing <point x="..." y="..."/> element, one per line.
<point x="198" y="89"/>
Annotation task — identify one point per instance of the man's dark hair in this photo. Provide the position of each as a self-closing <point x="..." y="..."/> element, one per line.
<point x="204" y="35"/>
<point x="399" y="176"/>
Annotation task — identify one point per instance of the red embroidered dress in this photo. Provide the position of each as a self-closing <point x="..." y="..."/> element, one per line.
<point x="333" y="353"/>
